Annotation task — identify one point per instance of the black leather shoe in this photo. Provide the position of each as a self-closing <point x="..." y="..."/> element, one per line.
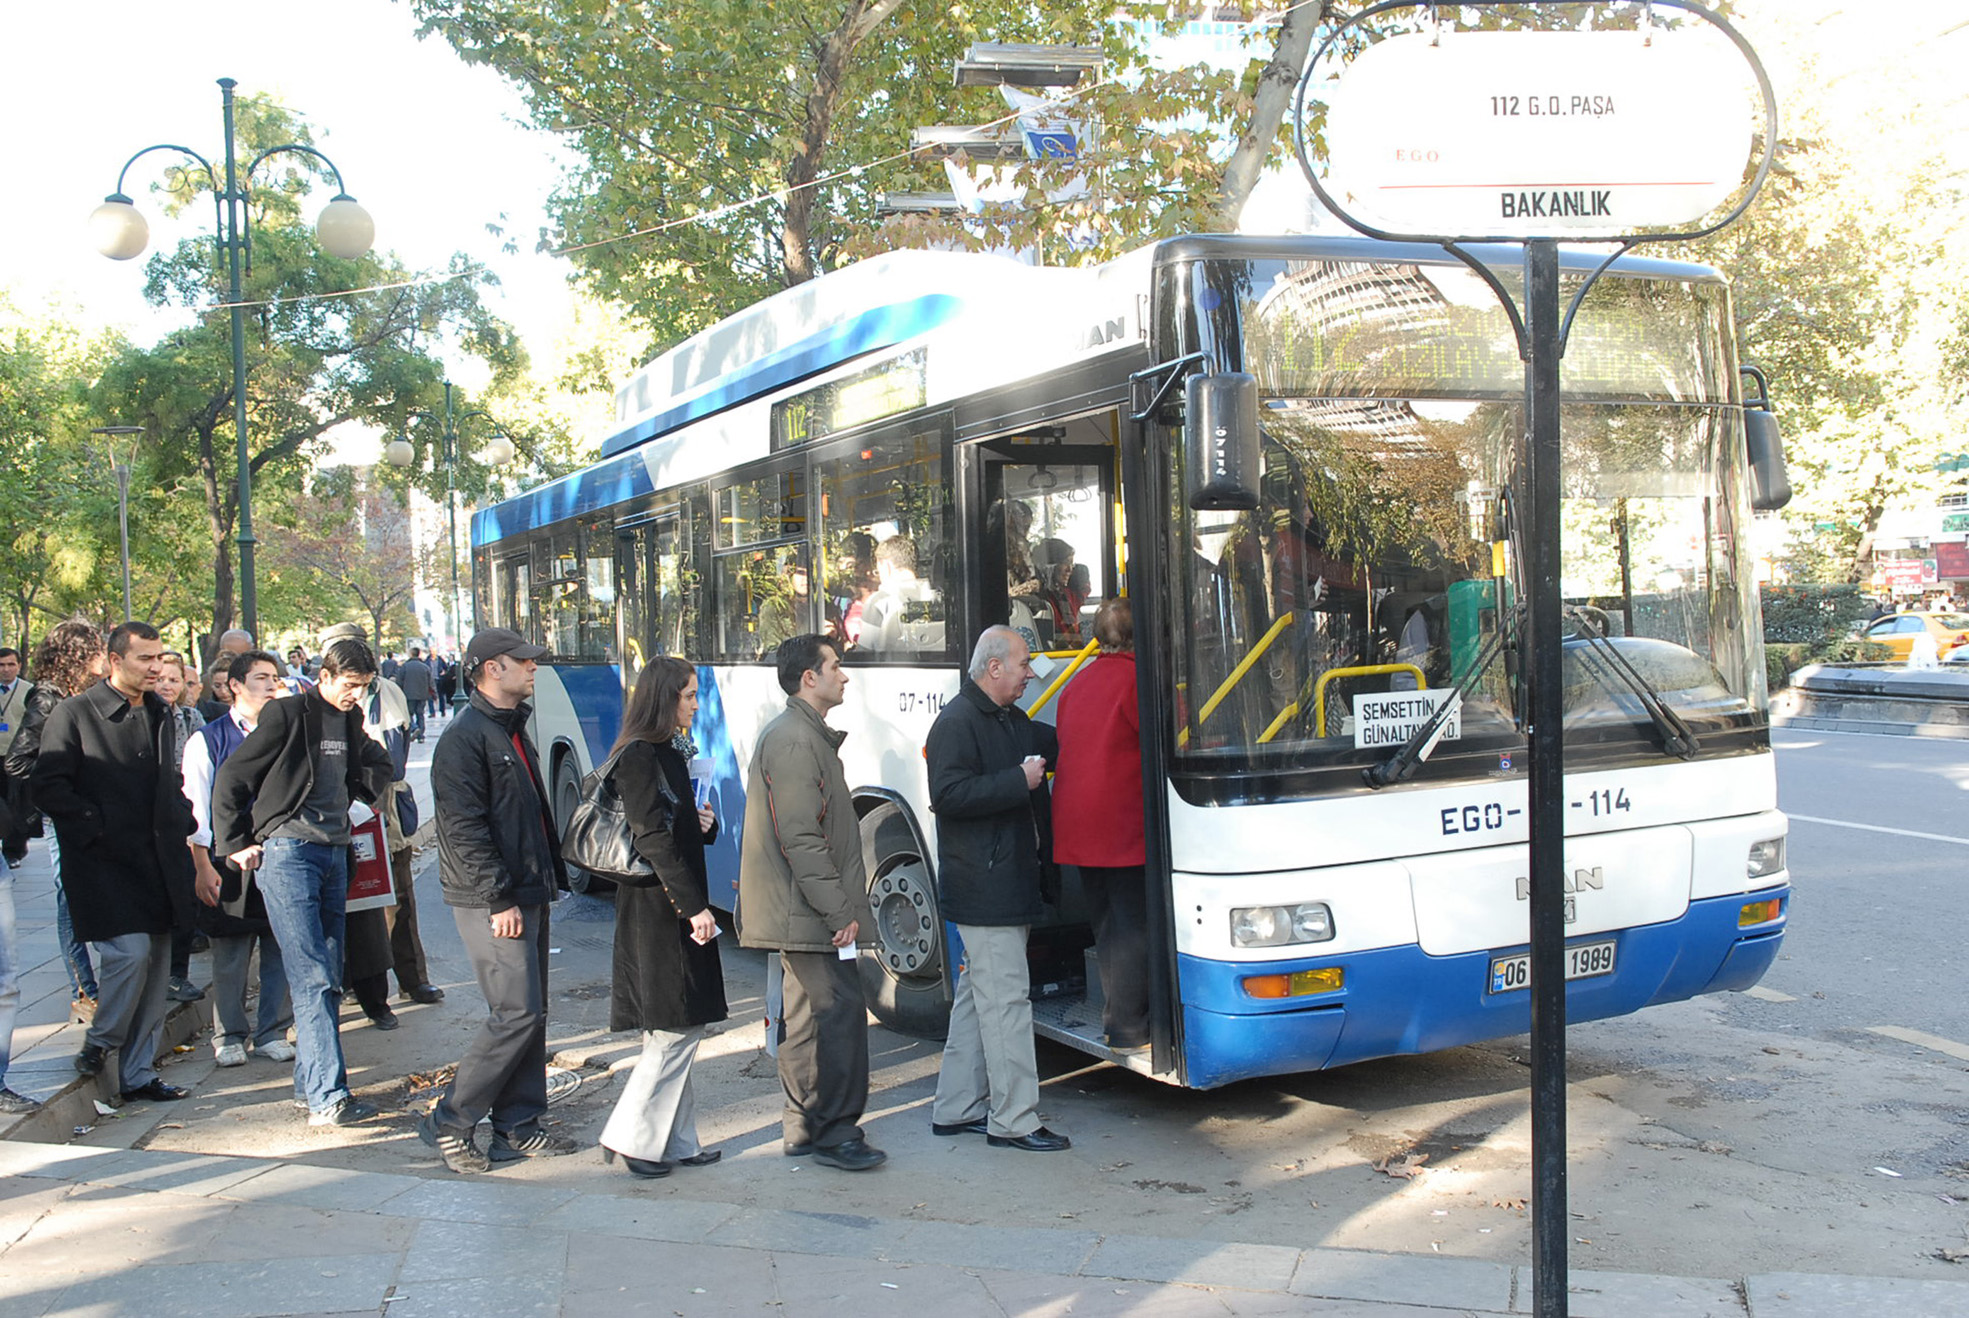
<point x="702" y="1158"/>
<point x="959" y="1127"/>
<point x="1035" y="1141"/>
<point x="853" y="1155"/>
<point x="642" y="1167"/>
<point x="384" y="1019"/>
<point x="799" y="1150"/>
<point x="156" y="1092"/>
<point x="90" y="1060"/>
<point x="425" y="993"/>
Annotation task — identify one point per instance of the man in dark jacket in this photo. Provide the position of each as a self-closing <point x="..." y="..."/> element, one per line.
<point x="280" y="807"/>
<point x="417" y="683"/>
<point x="803" y="891"/>
<point x="107" y="777"/>
<point x="987" y="765"/>
<point x="499" y="860"/>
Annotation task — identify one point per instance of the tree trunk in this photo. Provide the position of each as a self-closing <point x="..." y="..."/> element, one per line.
<point x="1269" y="105"/>
<point x="830" y="72"/>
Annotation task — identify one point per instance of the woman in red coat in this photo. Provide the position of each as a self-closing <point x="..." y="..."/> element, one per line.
<point x="1097" y="820"/>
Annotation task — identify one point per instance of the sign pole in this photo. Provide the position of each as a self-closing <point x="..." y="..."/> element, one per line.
<point x="1545" y="672"/>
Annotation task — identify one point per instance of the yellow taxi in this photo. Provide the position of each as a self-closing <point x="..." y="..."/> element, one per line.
<point x="1897" y="631"/>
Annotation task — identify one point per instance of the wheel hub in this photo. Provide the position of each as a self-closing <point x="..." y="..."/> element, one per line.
<point x="905" y="922"/>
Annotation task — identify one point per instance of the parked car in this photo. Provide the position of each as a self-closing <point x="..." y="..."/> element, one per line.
<point x="1897" y="631"/>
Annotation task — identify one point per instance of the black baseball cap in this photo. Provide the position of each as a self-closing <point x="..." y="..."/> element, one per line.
<point x="495" y="641"/>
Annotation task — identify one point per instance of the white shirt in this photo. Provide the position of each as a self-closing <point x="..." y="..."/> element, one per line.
<point x="198" y="771"/>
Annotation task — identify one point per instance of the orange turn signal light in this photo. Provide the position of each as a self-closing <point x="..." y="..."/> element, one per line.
<point x="1298" y="984"/>
<point x="1760" y="912"/>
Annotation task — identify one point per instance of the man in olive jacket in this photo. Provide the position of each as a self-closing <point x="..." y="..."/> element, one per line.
<point x="499" y="863"/>
<point x="803" y="891"/>
<point x="987" y="764"/>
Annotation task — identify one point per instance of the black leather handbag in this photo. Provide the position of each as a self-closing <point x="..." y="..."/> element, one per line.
<point x="597" y="836"/>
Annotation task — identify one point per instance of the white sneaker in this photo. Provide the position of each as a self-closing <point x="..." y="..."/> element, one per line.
<point x="278" y="1051"/>
<point x="231" y="1054"/>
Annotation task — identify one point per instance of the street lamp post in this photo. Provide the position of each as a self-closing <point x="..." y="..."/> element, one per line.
<point x="499" y="450"/>
<point x="344" y="229"/>
<point x="122" y="470"/>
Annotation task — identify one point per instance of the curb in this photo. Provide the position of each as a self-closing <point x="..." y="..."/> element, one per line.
<point x="74" y="1104"/>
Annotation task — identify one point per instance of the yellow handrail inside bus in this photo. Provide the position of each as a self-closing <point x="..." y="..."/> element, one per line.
<point x="1237" y="675"/>
<point x="1080" y="657"/>
<point x="1362" y="670"/>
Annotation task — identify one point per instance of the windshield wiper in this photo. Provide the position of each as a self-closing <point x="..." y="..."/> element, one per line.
<point x="1677" y="737"/>
<point x="1421" y="743"/>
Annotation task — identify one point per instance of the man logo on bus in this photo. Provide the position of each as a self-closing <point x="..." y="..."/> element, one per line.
<point x="1594" y="879"/>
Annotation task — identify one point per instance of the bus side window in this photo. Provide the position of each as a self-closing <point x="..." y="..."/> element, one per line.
<point x="888" y="553"/>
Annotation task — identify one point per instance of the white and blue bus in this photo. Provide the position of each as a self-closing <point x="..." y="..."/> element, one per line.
<point x="894" y="452"/>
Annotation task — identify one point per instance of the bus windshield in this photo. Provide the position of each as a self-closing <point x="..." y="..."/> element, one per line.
<point x="1381" y="560"/>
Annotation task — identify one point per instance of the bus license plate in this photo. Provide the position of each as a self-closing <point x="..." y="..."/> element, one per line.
<point x="1583" y="961"/>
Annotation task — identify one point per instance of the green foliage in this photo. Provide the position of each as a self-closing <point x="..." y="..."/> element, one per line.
<point x="1812" y="616"/>
<point x="1807" y="624"/>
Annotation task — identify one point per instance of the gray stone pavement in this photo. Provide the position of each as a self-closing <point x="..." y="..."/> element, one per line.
<point x="87" y="1229"/>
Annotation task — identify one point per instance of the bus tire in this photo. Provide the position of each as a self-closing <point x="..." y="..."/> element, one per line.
<point x="904" y="976"/>
<point x="567" y="795"/>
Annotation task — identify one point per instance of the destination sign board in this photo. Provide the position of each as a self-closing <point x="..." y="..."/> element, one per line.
<point x="1537" y="134"/>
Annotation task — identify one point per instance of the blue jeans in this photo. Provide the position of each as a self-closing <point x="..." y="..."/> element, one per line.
<point x="417" y="720"/>
<point x="306" y="889"/>
<point x="75" y="956"/>
<point x="10" y="981"/>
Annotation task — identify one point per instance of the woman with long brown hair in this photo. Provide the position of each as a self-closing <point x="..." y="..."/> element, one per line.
<point x="72" y="657"/>
<point x="669" y="983"/>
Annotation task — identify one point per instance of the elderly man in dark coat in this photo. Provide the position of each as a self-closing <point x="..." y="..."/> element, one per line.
<point x="107" y="777"/>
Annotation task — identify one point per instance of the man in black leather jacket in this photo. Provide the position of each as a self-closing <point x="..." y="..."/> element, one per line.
<point x="499" y="862"/>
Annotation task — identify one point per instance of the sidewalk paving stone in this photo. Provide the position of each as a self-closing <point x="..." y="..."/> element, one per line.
<point x="183" y="1173"/>
<point x="1623" y="1294"/>
<point x="205" y="1289"/>
<point x="1818" y="1295"/>
<point x="1196" y="1262"/>
<point x="444" y="1251"/>
<point x="505" y="1297"/>
<point x="1342" y="1274"/>
<point x="810" y="1233"/>
<point x="1035" y="1249"/>
<point x="306" y="1185"/>
<point x="639" y="1217"/>
<point x="477" y="1201"/>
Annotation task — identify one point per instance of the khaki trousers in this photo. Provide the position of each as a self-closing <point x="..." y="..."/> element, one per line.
<point x="989" y="1069"/>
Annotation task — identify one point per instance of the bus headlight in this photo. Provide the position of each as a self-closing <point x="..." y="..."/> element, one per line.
<point x="1766" y="858"/>
<point x="1279" y="926"/>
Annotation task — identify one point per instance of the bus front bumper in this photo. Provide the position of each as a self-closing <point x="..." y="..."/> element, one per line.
<point x="1402" y="1000"/>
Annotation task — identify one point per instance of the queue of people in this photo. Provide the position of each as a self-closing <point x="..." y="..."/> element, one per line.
<point x="255" y="829"/>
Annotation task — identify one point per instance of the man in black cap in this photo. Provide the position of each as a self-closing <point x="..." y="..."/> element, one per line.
<point x="499" y="861"/>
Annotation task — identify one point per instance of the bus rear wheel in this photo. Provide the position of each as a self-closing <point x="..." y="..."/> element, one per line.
<point x="567" y="795"/>
<point x="903" y="975"/>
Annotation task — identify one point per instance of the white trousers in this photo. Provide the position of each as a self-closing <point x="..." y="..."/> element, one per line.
<point x="989" y="1069"/>
<point x="656" y="1117"/>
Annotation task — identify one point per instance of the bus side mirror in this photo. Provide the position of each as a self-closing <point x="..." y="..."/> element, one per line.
<point x="1770" y="484"/>
<point x="1220" y="441"/>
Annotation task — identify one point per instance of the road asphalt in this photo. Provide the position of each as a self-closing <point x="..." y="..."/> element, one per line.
<point x="113" y="1219"/>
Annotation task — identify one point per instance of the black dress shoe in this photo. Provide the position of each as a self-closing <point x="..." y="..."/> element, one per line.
<point x="90" y="1060"/>
<point x="1041" y="1140"/>
<point x="384" y="1019"/>
<point x="642" y="1167"/>
<point x="156" y="1092"/>
<point x="977" y="1127"/>
<point x="855" y="1155"/>
<point x="799" y="1150"/>
<point x="425" y="993"/>
<point x="702" y="1158"/>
